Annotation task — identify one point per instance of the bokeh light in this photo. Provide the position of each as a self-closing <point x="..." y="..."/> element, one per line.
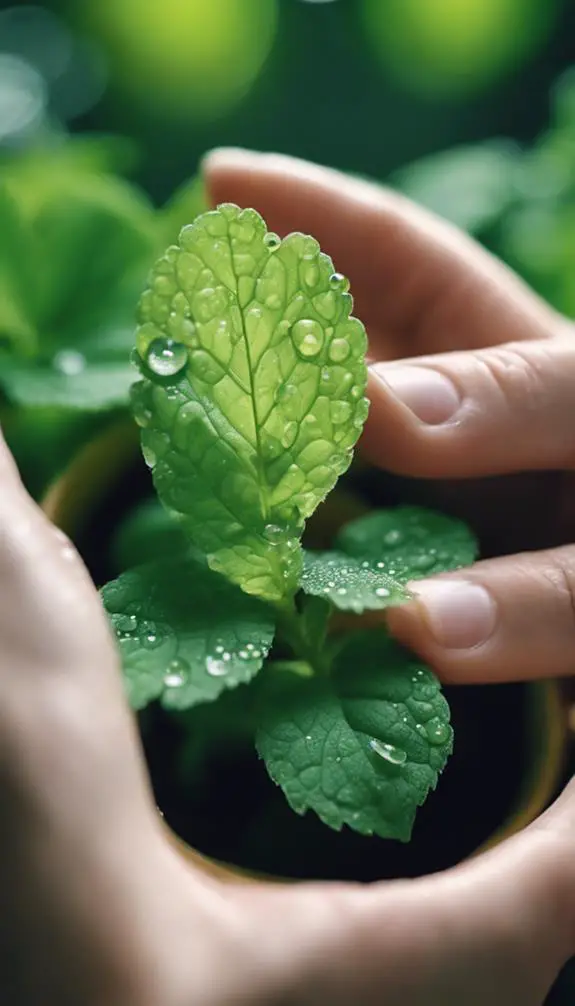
<point x="450" y="48"/>
<point x="184" y="58"/>
<point x="22" y="98"/>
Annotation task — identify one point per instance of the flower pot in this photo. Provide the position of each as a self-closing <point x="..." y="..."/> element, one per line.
<point x="511" y="740"/>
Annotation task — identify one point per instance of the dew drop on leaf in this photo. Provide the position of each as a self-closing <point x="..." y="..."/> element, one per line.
<point x="166" y="358"/>
<point x="338" y="281"/>
<point x="389" y="752"/>
<point x="382" y="592"/>
<point x="149" y="455"/>
<point x="394" y="537"/>
<point x="69" y="362"/>
<point x="423" y="562"/>
<point x="216" y="668"/>
<point x="272" y="241"/>
<point x="339" y="350"/>
<point x="274" y="534"/>
<point x="339" y="412"/>
<point x="307" y="336"/>
<point x="437" y="732"/>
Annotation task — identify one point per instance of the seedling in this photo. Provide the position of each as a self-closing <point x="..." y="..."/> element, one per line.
<point x="250" y="402"/>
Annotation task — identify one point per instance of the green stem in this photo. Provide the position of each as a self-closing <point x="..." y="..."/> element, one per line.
<point x="291" y="629"/>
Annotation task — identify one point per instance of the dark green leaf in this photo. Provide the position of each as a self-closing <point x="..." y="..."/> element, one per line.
<point x="185" y="634"/>
<point x="363" y="748"/>
<point x="409" y="542"/>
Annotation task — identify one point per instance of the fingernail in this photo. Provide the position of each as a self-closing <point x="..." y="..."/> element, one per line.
<point x="431" y="396"/>
<point x="459" y="614"/>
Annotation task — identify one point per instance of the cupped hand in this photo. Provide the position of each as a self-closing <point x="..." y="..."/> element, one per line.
<point x="98" y="907"/>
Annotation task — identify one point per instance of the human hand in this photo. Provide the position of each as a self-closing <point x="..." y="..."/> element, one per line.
<point x="488" y="392"/>
<point x="99" y="909"/>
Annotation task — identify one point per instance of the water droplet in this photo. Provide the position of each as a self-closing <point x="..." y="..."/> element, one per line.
<point x="307" y="336"/>
<point x="176" y="674"/>
<point x="256" y="654"/>
<point x="243" y="655"/>
<point x="149" y="456"/>
<point x="339" y="412"/>
<point x="338" y="281"/>
<point x="365" y="564"/>
<point x="308" y="737"/>
<point x="423" y="562"/>
<point x="142" y="414"/>
<point x="339" y="350"/>
<point x="342" y="591"/>
<point x="389" y="752"/>
<point x="216" y="668"/>
<point x="166" y="358"/>
<point x="69" y="362"/>
<point x="394" y="537"/>
<point x="151" y="641"/>
<point x="380" y="565"/>
<point x="437" y="732"/>
<point x="289" y="435"/>
<point x="274" y="534"/>
<point x="421" y="729"/>
<point x="219" y="649"/>
<point x="382" y="592"/>
<point x="286" y="392"/>
<point x="272" y="241"/>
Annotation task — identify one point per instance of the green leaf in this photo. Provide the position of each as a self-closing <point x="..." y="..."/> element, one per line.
<point x="351" y="584"/>
<point x="472" y="186"/>
<point x="92" y="388"/>
<point x="18" y="285"/>
<point x="250" y="415"/>
<point x="185" y="634"/>
<point x="409" y="542"/>
<point x="71" y="320"/>
<point x="149" y="532"/>
<point x="362" y="748"/>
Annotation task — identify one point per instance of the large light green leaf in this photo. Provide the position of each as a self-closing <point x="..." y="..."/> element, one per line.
<point x="362" y="748"/>
<point x="254" y="391"/>
<point x="185" y="633"/>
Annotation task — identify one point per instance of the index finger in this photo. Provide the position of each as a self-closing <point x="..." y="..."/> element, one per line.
<point x="420" y="284"/>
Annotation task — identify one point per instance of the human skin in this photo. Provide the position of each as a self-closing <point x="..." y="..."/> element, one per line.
<point x="98" y="908"/>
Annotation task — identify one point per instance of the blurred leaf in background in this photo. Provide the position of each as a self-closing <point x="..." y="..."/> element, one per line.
<point x="183" y="59"/>
<point x="472" y="186"/>
<point x="454" y="48"/>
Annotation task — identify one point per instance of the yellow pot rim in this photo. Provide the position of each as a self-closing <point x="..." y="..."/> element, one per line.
<point x="69" y="502"/>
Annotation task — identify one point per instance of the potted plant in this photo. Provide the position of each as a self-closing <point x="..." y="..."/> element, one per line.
<point x="250" y="402"/>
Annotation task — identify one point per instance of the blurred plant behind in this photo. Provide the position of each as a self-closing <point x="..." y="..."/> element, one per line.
<point x="467" y="105"/>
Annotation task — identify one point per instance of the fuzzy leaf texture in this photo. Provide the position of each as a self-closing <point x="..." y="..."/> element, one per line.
<point x="185" y="634"/>
<point x="363" y="747"/>
<point x="253" y="391"/>
<point x="409" y="542"/>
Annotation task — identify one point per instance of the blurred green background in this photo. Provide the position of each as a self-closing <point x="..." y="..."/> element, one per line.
<point x="467" y="105"/>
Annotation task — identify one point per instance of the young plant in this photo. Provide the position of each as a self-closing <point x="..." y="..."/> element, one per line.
<point x="250" y="403"/>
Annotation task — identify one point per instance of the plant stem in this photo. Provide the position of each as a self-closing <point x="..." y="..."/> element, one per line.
<point x="291" y="628"/>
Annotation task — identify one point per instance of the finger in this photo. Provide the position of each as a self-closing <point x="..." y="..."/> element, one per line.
<point x="505" y="619"/>
<point x="488" y="412"/>
<point x="495" y="930"/>
<point x="421" y="282"/>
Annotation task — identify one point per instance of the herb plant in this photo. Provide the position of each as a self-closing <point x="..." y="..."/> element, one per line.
<point x="250" y="402"/>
